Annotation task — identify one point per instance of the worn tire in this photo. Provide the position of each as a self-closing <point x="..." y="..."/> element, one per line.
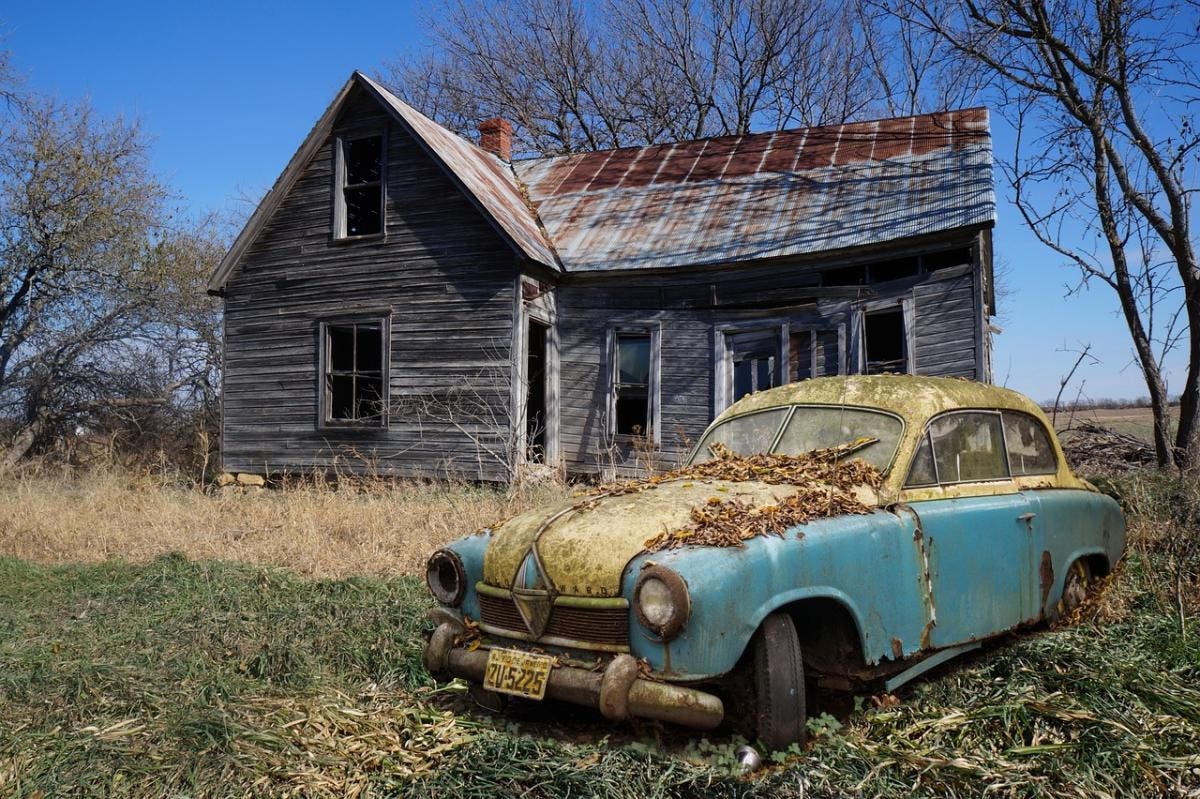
<point x="1075" y="588"/>
<point x="779" y="698"/>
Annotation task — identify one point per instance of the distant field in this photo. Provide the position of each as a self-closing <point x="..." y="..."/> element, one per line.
<point x="1135" y="421"/>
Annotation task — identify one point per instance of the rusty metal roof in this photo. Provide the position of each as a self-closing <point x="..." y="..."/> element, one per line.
<point x="706" y="201"/>
<point x="765" y="195"/>
<point x="487" y="179"/>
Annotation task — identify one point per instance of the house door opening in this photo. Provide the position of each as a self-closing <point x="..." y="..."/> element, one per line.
<point x="886" y="342"/>
<point x="535" y="399"/>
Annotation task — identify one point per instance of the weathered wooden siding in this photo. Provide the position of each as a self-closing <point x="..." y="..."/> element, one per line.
<point x="689" y="308"/>
<point x="445" y="277"/>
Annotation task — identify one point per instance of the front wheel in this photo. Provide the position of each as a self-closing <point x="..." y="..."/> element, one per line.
<point x="779" y="700"/>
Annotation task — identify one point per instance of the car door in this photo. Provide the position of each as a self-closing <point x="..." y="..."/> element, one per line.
<point x="979" y="531"/>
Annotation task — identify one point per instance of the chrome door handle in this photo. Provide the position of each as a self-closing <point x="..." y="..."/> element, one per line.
<point x="1026" y="517"/>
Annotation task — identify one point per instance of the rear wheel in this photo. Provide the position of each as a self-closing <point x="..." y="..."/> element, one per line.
<point x="1075" y="588"/>
<point x="779" y="696"/>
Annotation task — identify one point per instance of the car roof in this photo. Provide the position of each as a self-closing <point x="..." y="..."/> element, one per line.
<point x="914" y="398"/>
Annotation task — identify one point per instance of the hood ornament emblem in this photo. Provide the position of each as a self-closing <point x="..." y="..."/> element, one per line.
<point x="532" y="595"/>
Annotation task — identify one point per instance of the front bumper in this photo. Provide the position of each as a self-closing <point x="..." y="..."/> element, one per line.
<point x="617" y="691"/>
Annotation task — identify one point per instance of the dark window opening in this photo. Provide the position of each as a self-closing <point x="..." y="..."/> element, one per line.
<point x="844" y="276"/>
<point x="753" y="373"/>
<point x="354" y="374"/>
<point x="755" y="358"/>
<point x="886" y="342"/>
<point x="895" y="270"/>
<point x="632" y="386"/>
<point x="535" y="404"/>
<point x="362" y="186"/>
<point x="947" y="259"/>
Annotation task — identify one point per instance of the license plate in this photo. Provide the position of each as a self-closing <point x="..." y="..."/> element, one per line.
<point x="518" y="673"/>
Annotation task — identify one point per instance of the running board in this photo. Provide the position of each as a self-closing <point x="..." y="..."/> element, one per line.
<point x="933" y="661"/>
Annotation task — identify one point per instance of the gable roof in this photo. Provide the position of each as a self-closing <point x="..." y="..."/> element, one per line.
<point x="706" y="201"/>
<point x="765" y="195"/>
<point x="485" y="179"/>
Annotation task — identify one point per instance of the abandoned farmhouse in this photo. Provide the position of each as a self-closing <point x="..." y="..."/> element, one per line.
<point x="407" y="301"/>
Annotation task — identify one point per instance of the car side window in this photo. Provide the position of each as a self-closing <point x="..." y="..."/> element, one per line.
<point x="1029" y="448"/>
<point x="963" y="447"/>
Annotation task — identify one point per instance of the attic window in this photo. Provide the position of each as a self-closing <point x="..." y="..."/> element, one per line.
<point x="355" y="373"/>
<point x="360" y="193"/>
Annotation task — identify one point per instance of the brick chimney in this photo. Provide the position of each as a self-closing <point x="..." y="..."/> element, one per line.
<point x="495" y="136"/>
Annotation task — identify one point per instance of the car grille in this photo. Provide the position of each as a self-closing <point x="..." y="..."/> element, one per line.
<point x="608" y="626"/>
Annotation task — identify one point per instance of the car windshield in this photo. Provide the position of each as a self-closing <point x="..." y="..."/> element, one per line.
<point x="811" y="427"/>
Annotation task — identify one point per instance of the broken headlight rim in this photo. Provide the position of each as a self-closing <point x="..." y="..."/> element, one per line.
<point x="446" y="577"/>
<point x="661" y="601"/>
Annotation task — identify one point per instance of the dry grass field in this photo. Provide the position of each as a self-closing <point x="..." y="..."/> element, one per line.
<point x="1134" y="421"/>
<point x="373" y="528"/>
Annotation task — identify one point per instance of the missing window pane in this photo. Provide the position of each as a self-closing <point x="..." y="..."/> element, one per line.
<point x="369" y="355"/>
<point x="633" y="412"/>
<point x="362" y="211"/>
<point x="341" y="397"/>
<point x="340" y="343"/>
<point x="363" y="157"/>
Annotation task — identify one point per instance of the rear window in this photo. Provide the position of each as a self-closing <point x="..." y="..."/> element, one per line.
<point x="1029" y="448"/>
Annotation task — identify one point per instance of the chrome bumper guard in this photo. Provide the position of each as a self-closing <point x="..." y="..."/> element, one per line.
<point x="617" y="692"/>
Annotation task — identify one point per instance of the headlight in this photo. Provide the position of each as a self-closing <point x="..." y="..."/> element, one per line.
<point x="661" y="601"/>
<point x="446" y="577"/>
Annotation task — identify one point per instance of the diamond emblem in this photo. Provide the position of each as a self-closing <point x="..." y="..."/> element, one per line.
<point x="532" y="596"/>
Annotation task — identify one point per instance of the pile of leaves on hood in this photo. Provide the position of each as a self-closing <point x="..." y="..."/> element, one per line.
<point x="825" y="480"/>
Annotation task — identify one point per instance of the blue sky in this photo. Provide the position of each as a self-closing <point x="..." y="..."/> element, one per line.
<point x="228" y="91"/>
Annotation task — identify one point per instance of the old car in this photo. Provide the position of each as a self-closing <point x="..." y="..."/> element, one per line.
<point x="971" y="525"/>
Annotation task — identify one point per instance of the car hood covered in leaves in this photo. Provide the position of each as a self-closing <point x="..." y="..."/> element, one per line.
<point x="585" y="543"/>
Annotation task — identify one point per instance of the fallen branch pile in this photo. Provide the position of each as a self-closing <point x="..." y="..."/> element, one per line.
<point x="1095" y="449"/>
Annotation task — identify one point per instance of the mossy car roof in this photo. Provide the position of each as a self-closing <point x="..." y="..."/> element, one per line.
<point x="914" y="398"/>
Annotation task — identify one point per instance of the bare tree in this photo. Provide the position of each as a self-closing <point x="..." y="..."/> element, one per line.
<point x="1102" y="95"/>
<point x="575" y="76"/>
<point x="102" y="308"/>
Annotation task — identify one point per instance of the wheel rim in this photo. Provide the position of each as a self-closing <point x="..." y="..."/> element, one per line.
<point x="1075" y="587"/>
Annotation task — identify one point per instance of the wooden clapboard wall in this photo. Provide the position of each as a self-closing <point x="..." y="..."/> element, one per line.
<point x="443" y="276"/>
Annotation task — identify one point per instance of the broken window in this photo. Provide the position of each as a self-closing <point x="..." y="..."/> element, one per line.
<point x="886" y="341"/>
<point x="1029" y="448"/>
<point x="632" y="384"/>
<point x="754" y="358"/>
<point x="814" y="353"/>
<point x="355" y="373"/>
<point x="362" y="187"/>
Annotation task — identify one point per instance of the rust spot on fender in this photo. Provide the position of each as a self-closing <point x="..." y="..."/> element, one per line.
<point x="897" y="648"/>
<point x="1046" y="574"/>
<point x="926" y="633"/>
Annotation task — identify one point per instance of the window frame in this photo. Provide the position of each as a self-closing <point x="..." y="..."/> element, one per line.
<point x="340" y="174"/>
<point x="324" y="370"/>
<point x="653" y="388"/>
<point x="926" y="436"/>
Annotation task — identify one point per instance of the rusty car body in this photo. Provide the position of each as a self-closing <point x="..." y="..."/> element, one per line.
<point x="977" y="527"/>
